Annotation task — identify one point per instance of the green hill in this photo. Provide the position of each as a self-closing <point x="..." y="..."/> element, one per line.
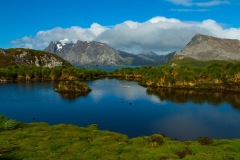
<point x="29" y="57"/>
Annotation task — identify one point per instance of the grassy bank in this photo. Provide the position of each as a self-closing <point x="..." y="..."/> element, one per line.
<point x="69" y="142"/>
<point x="215" y="76"/>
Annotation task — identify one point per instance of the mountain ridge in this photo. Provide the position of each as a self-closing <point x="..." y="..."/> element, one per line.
<point x="97" y="53"/>
<point x="205" y="48"/>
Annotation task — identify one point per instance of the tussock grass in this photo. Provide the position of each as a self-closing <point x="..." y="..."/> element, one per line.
<point x="40" y="141"/>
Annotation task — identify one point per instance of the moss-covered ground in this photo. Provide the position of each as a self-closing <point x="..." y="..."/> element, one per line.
<point x="40" y="141"/>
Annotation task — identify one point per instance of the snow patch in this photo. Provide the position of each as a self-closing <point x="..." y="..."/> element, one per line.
<point x="59" y="46"/>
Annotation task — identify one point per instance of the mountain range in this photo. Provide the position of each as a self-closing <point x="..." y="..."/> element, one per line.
<point x="97" y="53"/>
<point x="201" y="48"/>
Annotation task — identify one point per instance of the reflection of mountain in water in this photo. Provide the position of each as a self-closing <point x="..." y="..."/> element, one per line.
<point x="196" y="96"/>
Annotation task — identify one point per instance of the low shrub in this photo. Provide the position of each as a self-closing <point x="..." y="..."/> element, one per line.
<point x="182" y="154"/>
<point x="7" y="124"/>
<point x="157" y="139"/>
<point x="205" y="141"/>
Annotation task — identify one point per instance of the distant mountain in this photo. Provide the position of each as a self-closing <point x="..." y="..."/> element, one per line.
<point x="20" y="56"/>
<point x="155" y="58"/>
<point x="97" y="53"/>
<point x="87" y="53"/>
<point x="147" y="58"/>
<point x="205" y="48"/>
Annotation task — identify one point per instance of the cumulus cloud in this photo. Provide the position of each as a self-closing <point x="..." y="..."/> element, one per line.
<point x="43" y="38"/>
<point x="158" y="34"/>
<point x="199" y="4"/>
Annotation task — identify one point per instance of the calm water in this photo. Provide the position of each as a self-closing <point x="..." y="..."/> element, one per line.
<point x="127" y="108"/>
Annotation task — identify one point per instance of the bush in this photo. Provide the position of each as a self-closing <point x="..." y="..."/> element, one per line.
<point x="184" y="153"/>
<point x="7" y="124"/>
<point x="205" y="141"/>
<point x="157" y="138"/>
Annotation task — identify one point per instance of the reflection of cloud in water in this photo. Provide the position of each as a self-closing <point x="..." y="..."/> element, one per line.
<point x="113" y="87"/>
<point x="97" y="94"/>
<point x="155" y="99"/>
<point x="117" y="88"/>
<point x="132" y="93"/>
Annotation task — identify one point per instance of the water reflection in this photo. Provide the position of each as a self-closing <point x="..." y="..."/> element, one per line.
<point x="196" y="96"/>
<point x="71" y="96"/>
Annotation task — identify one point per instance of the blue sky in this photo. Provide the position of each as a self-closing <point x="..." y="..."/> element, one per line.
<point x="135" y="26"/>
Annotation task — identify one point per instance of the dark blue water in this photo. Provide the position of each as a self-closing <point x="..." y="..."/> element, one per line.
<point x="127" y="108"/>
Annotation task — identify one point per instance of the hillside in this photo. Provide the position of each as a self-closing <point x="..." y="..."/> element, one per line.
<point x="29" y="57"/>
<point x="206" y="48"/>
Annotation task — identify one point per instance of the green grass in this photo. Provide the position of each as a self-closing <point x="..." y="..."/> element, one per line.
<point x="194" y="63"/>
<point x="40" y="141"/>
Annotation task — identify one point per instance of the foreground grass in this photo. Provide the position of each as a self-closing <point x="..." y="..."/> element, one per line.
<point x="40" y="141"/>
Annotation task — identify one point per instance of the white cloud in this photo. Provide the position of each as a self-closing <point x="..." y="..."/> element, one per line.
<point x="190" y="10"/>
<point x="181" y="2"/>
<point x="199" y="4"/>
<point x="159" y="34"/>
<point x="211" y="3"/>
<point x="43" y="38"/>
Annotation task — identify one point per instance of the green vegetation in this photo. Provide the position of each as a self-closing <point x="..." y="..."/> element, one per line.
<point x="193" y="63"/>
<point x="7" y="124"/>
<point x="72" y="87"/>
<point x="31" y="73"/>
<point x="42" y="141"/>
<point x="219" y="76"/>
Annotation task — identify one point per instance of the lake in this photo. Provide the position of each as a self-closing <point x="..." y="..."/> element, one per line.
<point x="125" y="107"/>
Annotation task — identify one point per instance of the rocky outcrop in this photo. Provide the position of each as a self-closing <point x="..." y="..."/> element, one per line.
<point x="96" y="53"/>
<point x="204" y="48"/>
<point x="31" y="57"/>
<point x="2" y="51"/>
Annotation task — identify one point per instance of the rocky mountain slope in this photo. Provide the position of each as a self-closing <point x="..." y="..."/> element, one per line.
<point x="20" y="56"/>
<point x="96" y="53"/>
<point x="87" y="53"/>
<point x="205" y="48"/>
